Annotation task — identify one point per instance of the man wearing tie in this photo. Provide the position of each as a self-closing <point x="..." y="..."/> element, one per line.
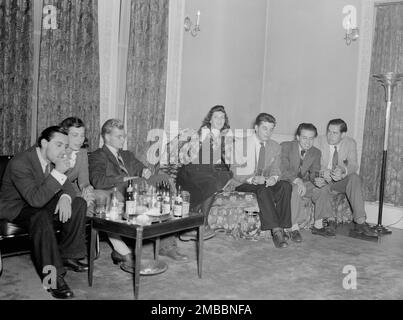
<point x="36" y="193"/>
<point x="339" y="175"/>
<point x="259" y="173"/>
<point x="109" y="167"/>
<point x="300" y="161"/>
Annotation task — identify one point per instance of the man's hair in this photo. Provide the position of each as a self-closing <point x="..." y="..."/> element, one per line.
<point x="264" y="117"/>
<point x="48" y="134"/>
<point x="72" y="122"/>
<point x="337" y="122"/>
<point x="306" y="126"/>
<point x="109" y="125"/>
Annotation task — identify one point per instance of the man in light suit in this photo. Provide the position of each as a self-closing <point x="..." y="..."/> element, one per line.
<point x="339" y="175"/>
<point x="109" y="167"/>
<point x="36" y="194"/>
<point x="259" y="173"/>
<point x="300" y="161"/>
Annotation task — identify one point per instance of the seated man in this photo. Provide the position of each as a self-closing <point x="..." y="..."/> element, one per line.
<point x="259" y="173"/>
<point x="109" y="167"/>
<point x="36" y="194"/>
<point x="338" y="175"/>
<point x="299" y="163"/>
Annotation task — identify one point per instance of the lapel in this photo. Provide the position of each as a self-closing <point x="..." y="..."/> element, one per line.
<point x="111" y="157"/>
<point x="36" y="164"/>
<point x="269" y="157"/>
<point x="295" y="155"/>
<point x="342" y="152"/>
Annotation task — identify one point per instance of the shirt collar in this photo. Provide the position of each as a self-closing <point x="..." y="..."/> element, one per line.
<point x="42" y="161"/>
<point x="257" y="141"/>
<point x="113" y="150"/>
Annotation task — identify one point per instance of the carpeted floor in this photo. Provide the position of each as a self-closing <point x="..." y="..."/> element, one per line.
<point x="238" y="269"/>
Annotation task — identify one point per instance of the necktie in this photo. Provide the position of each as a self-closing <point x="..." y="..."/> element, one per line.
<point x="301" y="160"/>
<point x="48" y="169"/>
<point x="335" y="159"/>
<point x="121" y="164"/>
<point x="262" y="159"/>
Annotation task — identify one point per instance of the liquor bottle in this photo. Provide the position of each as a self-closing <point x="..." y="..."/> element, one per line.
<point x="177" y="207"/>
<point x="114" y="210"/>
<point x="166" y="203"/>
<point x="131" y="202"/>
<point x="159" y="198"/>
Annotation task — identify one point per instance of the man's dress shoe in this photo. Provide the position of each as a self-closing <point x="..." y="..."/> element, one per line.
<point x="192" y="235"/>
<point x="62" y="290"/>
<point x="278" y="239"/>
<point x="365" y="229"/>
<point x="296" y="236"/>
<point x="75" y="265"/>
<point x="126" y="262"/>
<point x="174" y="255"/>
<point x="325" y="232"/>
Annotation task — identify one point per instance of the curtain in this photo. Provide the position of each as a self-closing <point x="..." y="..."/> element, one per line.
<point x="387" y="55"/>
<point x="16" y="71"/>
<point x="69" y="68"/>
<point x="146" y="72"/>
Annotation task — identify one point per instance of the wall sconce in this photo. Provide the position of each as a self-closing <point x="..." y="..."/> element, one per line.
<point x="188" y="25"/>
<point x="352" y="34"/>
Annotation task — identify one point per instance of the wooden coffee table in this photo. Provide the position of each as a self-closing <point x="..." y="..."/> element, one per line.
<point x="140" y="233"/>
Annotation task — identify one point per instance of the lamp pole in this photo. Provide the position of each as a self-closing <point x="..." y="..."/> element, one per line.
<point x="389" y="81"/>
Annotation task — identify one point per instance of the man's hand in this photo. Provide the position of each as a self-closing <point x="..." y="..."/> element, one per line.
<point x="320" y="182"/>
<point x="258" y="180"/>
<point x="64" y="209"/>
<point x="327" y="175"/>
<point x="338" y="173"/>
<point x="146" y="173"/>
<point x="271" y="181"/>
<point x="301" y="188"/>
<point x="88" y="194"/>
<point x="62" y="165"/>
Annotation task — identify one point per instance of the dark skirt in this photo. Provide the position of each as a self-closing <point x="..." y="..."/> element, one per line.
<point x="202" y="180"/>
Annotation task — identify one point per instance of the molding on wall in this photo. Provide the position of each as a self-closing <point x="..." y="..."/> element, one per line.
<point x="174" y="68"/>
<point x="364" y="68"/>
<point x="37" y="24"/>
<point x="266" y="50"/>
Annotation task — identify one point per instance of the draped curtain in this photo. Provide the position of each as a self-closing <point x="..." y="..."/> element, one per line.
<point x="16" y="71"/>
<point x="69" y="68"/>
<point x="387" y="55"/>
<point x="146" y="72"/>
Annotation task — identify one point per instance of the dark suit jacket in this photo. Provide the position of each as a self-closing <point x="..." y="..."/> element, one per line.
<point x="105" y="172"/>
<point x="24" y="184"/>
<point x="290" y="159"/>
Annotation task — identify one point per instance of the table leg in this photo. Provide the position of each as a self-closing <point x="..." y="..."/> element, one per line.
<point x="157" y="249"/>
<point x="139" y="244"/>
<point x="200" y="250"/>
<point x="93" y="237"/>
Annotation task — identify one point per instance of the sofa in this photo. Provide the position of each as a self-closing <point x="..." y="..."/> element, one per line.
<point x="236" y="213"/>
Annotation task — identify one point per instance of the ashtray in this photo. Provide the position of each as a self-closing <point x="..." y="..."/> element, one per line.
<point x="152" y="267"/>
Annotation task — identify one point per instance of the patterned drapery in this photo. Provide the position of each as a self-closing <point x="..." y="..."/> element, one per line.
<point x="146" y="72"/>
<point x="69" y="67"/>
<point x="387" y="55"/>
<point x="16" y="71"/>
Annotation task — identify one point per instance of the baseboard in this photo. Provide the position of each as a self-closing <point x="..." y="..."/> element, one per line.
<point x="390" y="214"/>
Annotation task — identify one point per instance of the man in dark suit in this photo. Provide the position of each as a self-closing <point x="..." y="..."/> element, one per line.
<point x="109" y="167"/>
<point x="259" y="173"/>
<point x="339" y="168"/>
<point x="36" y="194"/>
<point x="300" y="161"/>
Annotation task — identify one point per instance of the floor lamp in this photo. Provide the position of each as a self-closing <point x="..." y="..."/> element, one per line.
<point x="388" y="81"/>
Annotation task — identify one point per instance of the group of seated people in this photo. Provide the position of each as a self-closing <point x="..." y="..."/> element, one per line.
<point x="56" y="181"/>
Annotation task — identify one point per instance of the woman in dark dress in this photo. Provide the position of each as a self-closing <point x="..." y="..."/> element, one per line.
<point x="206" y="169"/>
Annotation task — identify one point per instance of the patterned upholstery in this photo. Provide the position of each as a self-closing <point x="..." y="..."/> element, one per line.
<point x="235" y="213"/>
